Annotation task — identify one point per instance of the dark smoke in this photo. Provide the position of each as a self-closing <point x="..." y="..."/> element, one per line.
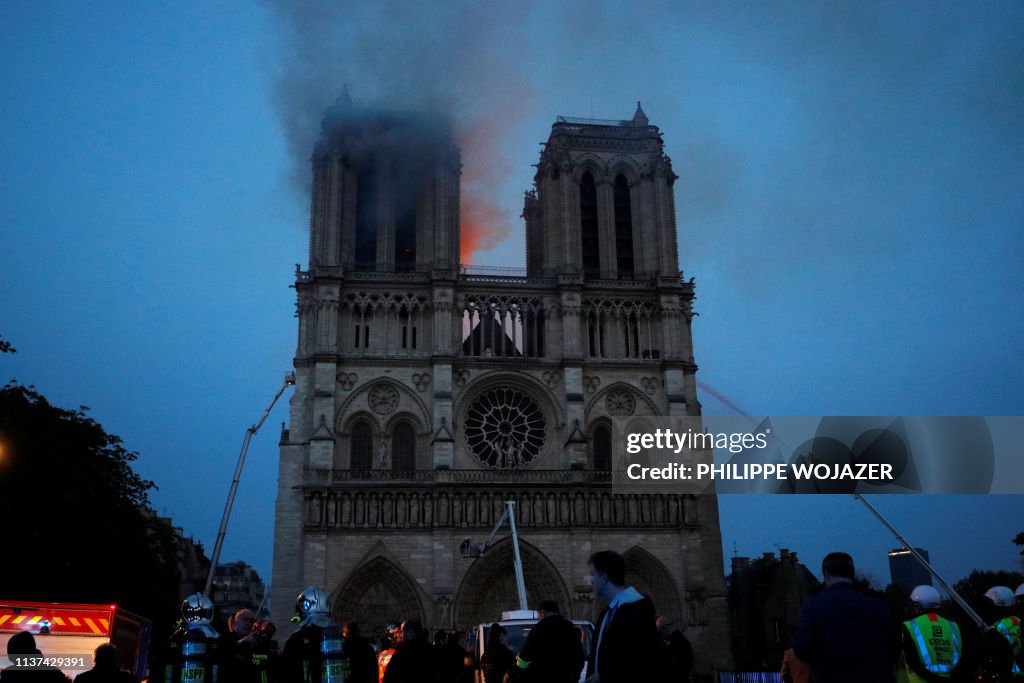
<point x="458" y="59"/>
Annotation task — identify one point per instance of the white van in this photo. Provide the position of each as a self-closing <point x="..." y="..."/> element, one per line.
<point x="518" y="624"/>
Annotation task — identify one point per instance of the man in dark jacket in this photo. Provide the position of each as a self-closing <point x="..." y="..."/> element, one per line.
<point x="844" y="634"/>
<point x="361" y="657"/>
<point x="20" y="646"/>
<point x="628" y="646"/>
<point x="553" y="652"/>
<point x="678" y="651"/>
<point x="105" y="669"/>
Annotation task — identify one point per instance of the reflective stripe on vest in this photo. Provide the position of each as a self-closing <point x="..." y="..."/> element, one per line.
<point x="1010" y="628"/>
<point x="940" y="652"/>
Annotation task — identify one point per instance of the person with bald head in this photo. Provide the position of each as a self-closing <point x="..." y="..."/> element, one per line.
<point x="240" y="624"/>
<point x="238" y="646"/>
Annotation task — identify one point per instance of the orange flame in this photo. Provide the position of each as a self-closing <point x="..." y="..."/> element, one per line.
<point x="486" y="168"/>
<point x="483" y="226"/>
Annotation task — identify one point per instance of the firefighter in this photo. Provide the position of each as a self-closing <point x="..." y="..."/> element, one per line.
<point x="314" y="652"/>
<point x="194" y="649"/>
<point x="932" y="648"/>
<point x="392" y="636"/>
<point x="1004" y="634"/>
<point x="257" y="662"/>
<point x="1018" y="612"/>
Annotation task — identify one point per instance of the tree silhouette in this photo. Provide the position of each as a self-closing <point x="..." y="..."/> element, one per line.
<point x="73" y="512"/>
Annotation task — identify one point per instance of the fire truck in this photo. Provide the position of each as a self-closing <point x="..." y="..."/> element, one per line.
<point x="71" y="632"/>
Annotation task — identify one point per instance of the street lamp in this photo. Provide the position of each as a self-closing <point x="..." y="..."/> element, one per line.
<point x="289" y="380"/>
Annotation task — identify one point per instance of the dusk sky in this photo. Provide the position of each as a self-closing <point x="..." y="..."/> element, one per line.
<point x="850" y="203"/>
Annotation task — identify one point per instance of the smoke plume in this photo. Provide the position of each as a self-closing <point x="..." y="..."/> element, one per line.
<point x="457" y="59"/>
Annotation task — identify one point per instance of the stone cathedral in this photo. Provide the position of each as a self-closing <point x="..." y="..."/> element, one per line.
<point x="427" y="394"/>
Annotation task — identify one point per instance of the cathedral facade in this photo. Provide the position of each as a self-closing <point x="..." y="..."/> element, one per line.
<point x="428" y="394"/>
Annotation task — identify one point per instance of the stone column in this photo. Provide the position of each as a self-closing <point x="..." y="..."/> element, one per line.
<point x="570" y="223"/>
<point x="570" y="313"/>
<point x="332" y="222"/>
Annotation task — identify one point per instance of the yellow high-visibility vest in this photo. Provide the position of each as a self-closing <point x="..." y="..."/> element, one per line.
<point x="938" y="644"/>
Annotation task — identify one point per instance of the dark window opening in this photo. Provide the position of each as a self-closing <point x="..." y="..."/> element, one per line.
<point x="601" y="446"/>
<point x="403" y="447"/>
<point x="366" y="220"/>
<point x="362" y="446"/>
<point x="623" y="228"/>
<point x="533" y="333"/>
<point x="631" y="333"/>
<point x="588" y="227"/>
<point x="405" y="235"/>
<point x="592" y="334"/>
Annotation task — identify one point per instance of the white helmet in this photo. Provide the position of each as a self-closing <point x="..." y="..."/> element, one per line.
<point x="1019" y="593"/>
<point x="197" y="610"/>
<point x="1001" y="596"/>
<point x="925" y="597"/>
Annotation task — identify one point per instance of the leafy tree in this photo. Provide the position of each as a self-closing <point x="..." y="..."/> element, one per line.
<point x="5" y="346"/>
<point x="973" y="587"/>
<point x="1018" y="540"/>
<point x="74" y="512"/>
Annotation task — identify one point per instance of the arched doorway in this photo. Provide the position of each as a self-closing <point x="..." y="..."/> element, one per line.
<point x="489" y="587"/>
<point x="376" y="594"/>
<point x="648" y="575"/>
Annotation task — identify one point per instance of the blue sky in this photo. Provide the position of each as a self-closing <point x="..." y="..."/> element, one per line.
<point x="849" y="202"/>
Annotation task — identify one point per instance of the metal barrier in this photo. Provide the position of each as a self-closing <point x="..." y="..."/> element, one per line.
<point x="749" y="677"/>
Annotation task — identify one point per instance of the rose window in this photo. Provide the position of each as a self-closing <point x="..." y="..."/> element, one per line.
<point x="383" y="399"/>
<point x="505" y="429"/>
<point x="620" y="403"/>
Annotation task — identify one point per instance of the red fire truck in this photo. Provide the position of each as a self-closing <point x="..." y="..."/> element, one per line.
<point x="69" y="632"/>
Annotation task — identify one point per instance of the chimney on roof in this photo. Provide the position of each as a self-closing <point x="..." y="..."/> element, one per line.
<point x="740" y="563"/>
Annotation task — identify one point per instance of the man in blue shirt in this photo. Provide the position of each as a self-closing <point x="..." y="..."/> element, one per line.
<point x="845" y="634"/>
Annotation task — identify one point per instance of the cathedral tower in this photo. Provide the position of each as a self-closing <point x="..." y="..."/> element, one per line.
<point x="428" y="394"/>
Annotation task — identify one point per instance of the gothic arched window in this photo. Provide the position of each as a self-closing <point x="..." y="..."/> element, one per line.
<point x="588" y="227"/>
<point x="623" y="228"/>
<point x="361" y="446"/>
<point x="407" y="323"/>
<point x="405" y="227"/>
<point x="403" y="447"/>
<point x="366" y="220"/>
<point x="601" y="449"/>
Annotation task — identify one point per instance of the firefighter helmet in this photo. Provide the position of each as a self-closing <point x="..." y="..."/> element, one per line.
<point x="1001" y="596"/>
<point x="312" y="601"/>
<point x="197" y="610"/>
